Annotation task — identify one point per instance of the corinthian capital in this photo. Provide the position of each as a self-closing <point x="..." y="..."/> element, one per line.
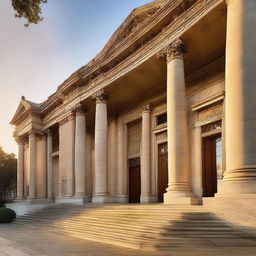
<point x="100" y="96"/>
<point x="174" y="51"/>
<point x="80" y="109"/>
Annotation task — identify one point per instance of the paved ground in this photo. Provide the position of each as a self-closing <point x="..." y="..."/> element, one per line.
<point x="29" y="242"/>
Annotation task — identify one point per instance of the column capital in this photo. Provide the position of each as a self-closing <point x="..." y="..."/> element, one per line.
<point x="147" y="108"/>
<point x="31" y="133"/>
<point x="80" y="109"/>
<point x="19" y="140"/>
<point x="100" y="96"/>
<point x="48" y="132"/>
<point x="63" y="121"/>
<point x="44" y="135"/>
<point x="173" y="51"/>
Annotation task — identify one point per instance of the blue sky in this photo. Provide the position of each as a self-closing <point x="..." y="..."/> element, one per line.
<point x="35" y="60"/>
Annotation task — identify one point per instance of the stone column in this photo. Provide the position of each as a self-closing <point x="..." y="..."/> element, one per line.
<point x="49" y="165"/>
<point x="122" y="196"/>
<point x="179" y="189"/>
<point x="80" y="147"/>
<point x="240" y="102"/>
<point x="42" y="180"/>
<point x="145" y="155"/>
<point x="70" y="155"/>
<point x="32" y="165"/>
<point x="20" y="169"/>
<point x="101" y="125"/>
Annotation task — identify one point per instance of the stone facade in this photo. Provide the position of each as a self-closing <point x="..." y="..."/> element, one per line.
<point x="177" y="75"/>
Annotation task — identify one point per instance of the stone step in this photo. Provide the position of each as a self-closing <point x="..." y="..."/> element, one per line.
<point x="135" y="226"/>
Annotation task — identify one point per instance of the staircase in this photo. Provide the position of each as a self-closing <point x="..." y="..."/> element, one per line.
<point x="151" y="226"/>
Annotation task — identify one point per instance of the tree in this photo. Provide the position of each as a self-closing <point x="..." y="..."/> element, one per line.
<point x="8" y="173"/>
<point x="28" y="9"/>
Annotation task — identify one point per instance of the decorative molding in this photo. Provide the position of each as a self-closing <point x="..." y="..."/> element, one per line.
<point x="19" y="140"/>
<point x="161" y="135"/>
<point x="147" y="108"/>
<point x="100" y="96"/>
<point x="167" y="23"/>
<point x="80" y="109"/>
<point x="173" y="51"/>
<point x="63" y="121"/>
<point x="218" y="97"/>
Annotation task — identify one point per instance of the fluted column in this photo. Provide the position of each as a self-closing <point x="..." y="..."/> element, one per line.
<point x="49" y="165"/>
<point x="20" y="169"/>
<point x="32" y="165"/>
<point x="80" y="147"/>
<point x="101" y="124"/>
<point x="240" y="108"/>
<point x="179" y="189"/>
<point x="145" y="155"/>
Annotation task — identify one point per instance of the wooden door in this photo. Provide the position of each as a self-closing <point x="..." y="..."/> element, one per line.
<point x="209" y="174"/>
<point x="134" y="180"/>
<point x="162" y="170"/>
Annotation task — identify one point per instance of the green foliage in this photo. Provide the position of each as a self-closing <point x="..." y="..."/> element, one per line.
<point x="2" y="202"/>
<point x="8" y="172"/>
<point x="7" y="215"/>
<point x="28" y="9"/>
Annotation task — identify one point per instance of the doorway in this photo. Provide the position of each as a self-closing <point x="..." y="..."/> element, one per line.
<point x="134" y="180"/>
<point x="212" y="159"/>
<point x="162" y="170"/>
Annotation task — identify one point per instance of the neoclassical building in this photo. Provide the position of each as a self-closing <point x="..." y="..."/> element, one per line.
<point x="166" y="112"/>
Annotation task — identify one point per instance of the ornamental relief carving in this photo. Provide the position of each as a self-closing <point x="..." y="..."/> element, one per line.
<point x="209" y="112"/>
<point x="161" y="136"/>
<point x="174" y="51"/>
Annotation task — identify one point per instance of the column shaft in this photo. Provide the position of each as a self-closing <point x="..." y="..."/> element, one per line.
<point x="20" y="170"/>
<point x="32" y="165"/>
<point x="42" y="180"/>
<point x="145" y="155"/>
<point x="49" y="166"/>
<point x="101" y="124"/>
<point x="179" y="190"/>
<point x="80" y="147"/>
<point x="240" y="108"/>
<point x="121" y="158"/>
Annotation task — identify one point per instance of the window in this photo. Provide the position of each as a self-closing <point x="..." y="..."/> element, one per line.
<point x="161" y="119"/>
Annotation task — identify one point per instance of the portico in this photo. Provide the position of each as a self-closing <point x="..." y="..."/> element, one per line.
<point x="174" y="108"/>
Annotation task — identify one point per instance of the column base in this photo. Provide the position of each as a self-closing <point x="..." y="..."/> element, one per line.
<point x="69" y="200"/>
<point x="171" y="197"/>
<point x="122" y="199"/>
<point x="231" y="188"/>
<point x="102" y="199"/>
<point x="147" y="199"/>
<point x="38" y="201"/>
<point x="82" y="197"/>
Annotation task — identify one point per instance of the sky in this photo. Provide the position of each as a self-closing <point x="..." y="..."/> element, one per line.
<point x="35" y="60"/>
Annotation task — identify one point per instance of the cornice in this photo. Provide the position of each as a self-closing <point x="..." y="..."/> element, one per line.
<point x="175" y="17"/>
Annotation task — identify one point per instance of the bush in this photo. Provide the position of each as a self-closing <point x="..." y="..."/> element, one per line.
<point x="7" y="215"/>
<point x="2" y="202"/>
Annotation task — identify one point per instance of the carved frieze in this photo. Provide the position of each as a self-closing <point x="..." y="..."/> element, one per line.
<point x="209" y="112"/>
<point x="161" y="136"/>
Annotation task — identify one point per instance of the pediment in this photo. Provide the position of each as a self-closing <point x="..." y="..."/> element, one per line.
<point x="23" y="108"/>
<point x="136" y="19"/>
